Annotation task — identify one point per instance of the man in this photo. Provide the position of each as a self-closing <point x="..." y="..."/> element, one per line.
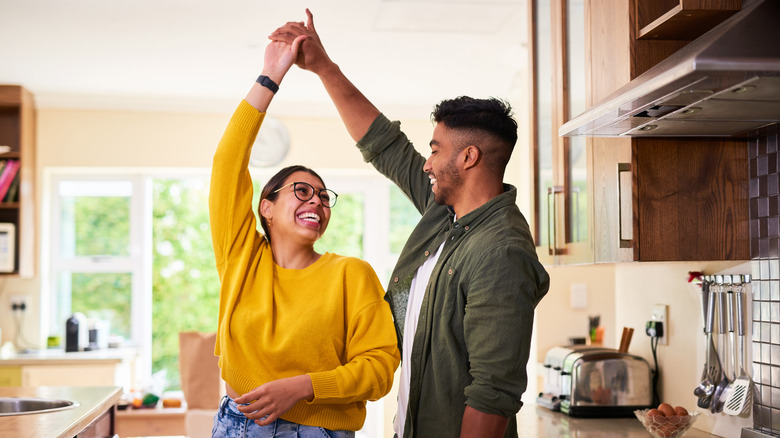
<point x="466" y="284"/>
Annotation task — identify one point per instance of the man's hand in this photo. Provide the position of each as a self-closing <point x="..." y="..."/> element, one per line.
<point x="268" y="402"/>
<point x="312" y="55"/>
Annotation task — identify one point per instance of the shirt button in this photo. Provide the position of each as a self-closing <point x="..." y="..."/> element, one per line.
<point x="395" y="280"/>
<point x="450" y="271"/>
<point x="466" y="228"/>
<point x="427" y="253"/>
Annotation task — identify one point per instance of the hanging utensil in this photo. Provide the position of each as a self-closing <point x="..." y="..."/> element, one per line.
<point x="721" y="378"/>
<point x="712" y="367"/>
<point x="742" y="389"/>
<point x="729" y="355"/>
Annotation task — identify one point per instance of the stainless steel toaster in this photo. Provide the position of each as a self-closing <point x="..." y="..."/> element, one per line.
<point x="596" y="382"/>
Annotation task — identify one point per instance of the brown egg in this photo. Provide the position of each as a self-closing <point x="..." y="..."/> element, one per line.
<point x="667" y="409"/>
<point x="681" y="411"/>
<point x="654" y="412"/>
<point x="666" y="431"/>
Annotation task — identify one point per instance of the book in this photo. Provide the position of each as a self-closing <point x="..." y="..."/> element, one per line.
<point x="13" y="190"/>
<point x="7" y="176"/>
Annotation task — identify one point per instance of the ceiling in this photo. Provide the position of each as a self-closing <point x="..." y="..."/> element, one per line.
<point x="203" y="55"/>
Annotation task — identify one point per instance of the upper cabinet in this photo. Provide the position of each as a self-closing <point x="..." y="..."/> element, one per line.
<point x="681" y="19"/>
<point x="658" y="199"/>
<point x="562" y="200"/>
<point x="725" y="83"/>
<point x="662" y="198"/>
<point x="17" y="180"/>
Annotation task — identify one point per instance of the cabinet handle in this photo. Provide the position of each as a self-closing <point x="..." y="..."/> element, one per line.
<point x="552" y="244"/>
<point x="621" y="168"/>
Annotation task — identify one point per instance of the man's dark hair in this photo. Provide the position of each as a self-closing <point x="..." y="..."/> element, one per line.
<point x="275" y="183"/>
<point x="485" y="123"/>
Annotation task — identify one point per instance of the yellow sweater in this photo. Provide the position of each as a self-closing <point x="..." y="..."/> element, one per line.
<point x="329" y="320"/>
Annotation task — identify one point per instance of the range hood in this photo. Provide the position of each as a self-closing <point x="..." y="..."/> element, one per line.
<point x="726" y="83"/>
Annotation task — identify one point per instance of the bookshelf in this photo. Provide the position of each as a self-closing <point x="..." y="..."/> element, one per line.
<point x="17" y="149"/>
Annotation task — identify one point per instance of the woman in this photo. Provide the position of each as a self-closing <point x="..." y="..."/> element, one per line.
<point x="304" y="339"/>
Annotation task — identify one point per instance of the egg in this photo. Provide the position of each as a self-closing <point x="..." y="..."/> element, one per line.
<point x="681" y="411"/>
<point x="667" y="409"/>
<point x="654" y="412"/>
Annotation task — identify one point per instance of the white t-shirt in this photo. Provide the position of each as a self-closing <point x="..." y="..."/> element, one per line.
<point x="416" y="295"/>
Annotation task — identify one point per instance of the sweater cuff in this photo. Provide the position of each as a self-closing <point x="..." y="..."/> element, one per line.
<point x="324" y="385"/>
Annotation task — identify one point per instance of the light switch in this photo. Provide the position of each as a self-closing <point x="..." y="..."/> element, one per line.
<point x="578" y="295"/>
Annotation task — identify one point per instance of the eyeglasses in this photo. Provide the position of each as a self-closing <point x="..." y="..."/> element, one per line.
<point x="305" y="191"/>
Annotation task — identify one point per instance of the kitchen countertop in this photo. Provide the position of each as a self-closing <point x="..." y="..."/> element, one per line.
<point x="536" y="421"/>
<point x="93" y="401"/>
<point x="58" y="356"/>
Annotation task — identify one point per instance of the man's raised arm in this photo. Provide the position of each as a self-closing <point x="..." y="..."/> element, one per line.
<point x="356" y="111"/>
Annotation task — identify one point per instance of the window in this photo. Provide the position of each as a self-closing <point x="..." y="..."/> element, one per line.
<point x="135" y="250"/>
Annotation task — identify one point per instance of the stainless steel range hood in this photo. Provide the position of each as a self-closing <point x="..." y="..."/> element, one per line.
<point x="725" y="83"/>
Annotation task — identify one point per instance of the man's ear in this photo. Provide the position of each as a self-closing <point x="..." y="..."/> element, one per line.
<point x="471" y="156"/>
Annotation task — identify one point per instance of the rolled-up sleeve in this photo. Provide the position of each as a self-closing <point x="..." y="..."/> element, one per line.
<point x="498" y="324"/>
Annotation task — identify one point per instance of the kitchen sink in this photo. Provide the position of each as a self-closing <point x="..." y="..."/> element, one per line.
<point x="25" y="405"/>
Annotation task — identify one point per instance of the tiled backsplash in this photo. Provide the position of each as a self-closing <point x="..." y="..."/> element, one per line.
<point x="765" y="255"/>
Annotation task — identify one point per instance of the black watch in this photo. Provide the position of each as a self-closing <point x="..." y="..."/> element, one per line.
<point x="267" y="83"/>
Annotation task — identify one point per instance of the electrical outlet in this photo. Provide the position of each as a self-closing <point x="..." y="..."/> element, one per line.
<point x="19" y="302"/>
<point x="660" y="314"/>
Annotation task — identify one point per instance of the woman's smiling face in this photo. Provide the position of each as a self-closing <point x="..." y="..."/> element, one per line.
<point x="291" y="218"/>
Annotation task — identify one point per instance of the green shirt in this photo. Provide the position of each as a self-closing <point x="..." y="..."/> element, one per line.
<point x="474" y="331"/>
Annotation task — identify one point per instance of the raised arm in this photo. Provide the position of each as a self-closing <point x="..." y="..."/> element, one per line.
<point x="279" y="57"/>
<point x="356" y="111"/>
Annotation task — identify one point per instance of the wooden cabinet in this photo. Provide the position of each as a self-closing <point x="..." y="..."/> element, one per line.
<point x="156" y="421"/>
<point x="562" y="198"/>
<point x="681" y="19"/>
<point x="101" y="427"/>
<point x="658" y="199"/>
<point x="17" y="144"/>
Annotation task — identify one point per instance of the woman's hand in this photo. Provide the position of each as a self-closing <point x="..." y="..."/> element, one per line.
<point x="312" y="55"/>
<point x="268" y="402"/>
<point x="279" y="57"/>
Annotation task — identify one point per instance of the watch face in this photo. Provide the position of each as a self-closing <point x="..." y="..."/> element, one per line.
<point x="271" y="145"/>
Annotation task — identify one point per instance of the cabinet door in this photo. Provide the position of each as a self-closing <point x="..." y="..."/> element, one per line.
<point x="73" y="375"/>
<point x="101" y="428"/>
<point x="691" y="199"/>
<point x="561" y="194"/>
<point x="11" y="376"/>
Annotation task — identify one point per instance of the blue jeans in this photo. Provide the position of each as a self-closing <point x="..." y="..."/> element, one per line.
<point x="229" y="422"/>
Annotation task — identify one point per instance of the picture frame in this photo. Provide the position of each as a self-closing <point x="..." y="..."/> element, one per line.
<point x="7" y="247"/>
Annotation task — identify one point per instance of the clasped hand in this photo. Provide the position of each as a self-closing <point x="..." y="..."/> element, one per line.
<point x="268" y="402"/>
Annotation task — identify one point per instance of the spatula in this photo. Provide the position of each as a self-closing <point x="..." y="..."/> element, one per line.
<point x="741" y="390"/>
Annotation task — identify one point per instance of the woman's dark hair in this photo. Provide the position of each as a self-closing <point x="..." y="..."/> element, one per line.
<point x="275" y="183"/>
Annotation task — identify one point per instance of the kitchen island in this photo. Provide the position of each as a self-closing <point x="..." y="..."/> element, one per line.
<point x="93" y="417"/>
<point x="535" y="421"/>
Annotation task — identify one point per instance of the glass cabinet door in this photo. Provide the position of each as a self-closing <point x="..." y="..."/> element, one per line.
<point x="561" y="164"/>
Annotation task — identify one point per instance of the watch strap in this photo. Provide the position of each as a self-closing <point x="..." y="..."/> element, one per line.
<point x="267" y="83"/>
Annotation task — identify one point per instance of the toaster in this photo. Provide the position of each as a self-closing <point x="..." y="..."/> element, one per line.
<point x="588" y="381"/>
